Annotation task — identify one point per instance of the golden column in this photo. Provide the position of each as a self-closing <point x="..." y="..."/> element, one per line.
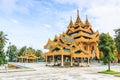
<point x="46" y="60"/>
<point x="27" y="60"/>
<point x="89" y="53"/>
<point x="22" y="60"/>
<point x="53" y="60"/>
<point x="82" y="62"/>
<point x="71" y="62"/>
<point x="88" y="61"/>
<point x="62" y="64"/>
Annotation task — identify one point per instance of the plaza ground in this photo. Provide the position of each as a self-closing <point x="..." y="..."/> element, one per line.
<point x="42" y="72"/>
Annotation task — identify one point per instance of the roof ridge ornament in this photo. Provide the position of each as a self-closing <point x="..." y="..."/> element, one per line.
<point x="87" y="21"/>
<point x="78" y="20"/>
<point x="71" y="22"/>
<point x="77" y="12"/>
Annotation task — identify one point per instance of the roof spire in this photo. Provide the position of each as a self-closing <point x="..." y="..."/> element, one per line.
<point x="77" y="12"/>
<point x="78" y="20"/>
<point x="70" y="18"/>
<point x="71" y="23"/>
<point x="87" y="22"/>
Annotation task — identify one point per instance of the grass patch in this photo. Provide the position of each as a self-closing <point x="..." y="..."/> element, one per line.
<point x="118" y="75"/>
<point x="111" y="72"/>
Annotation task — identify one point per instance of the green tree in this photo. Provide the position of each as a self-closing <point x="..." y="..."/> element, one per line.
<point x="107" y="47"/>
<point x="117" y="39"/>
<point x="3" y="41"/>
<point x="38" y="53"/>
<point x="12" y="53"/>
<point x="20" y="52"/>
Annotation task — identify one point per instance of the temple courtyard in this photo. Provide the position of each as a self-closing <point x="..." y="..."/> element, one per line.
<point x="41" y="72"/>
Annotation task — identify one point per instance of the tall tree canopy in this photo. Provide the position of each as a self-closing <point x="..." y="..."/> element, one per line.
<point x="117" y="39"/>
<point x="12" y="52"/>
<point x="22" y="50"/>
<point x="38" y="53"/>
<point x="107" y="47"/>
<point x="3" y="41"/>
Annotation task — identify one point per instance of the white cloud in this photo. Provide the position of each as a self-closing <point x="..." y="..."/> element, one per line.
<point x="14" y="21"/>
<point x="107" y="17"/>
<point x="21" y="35"/>
<point x="11" y="6"/>
<point x="103" y="15"/>
<point x="47" y="26"/>
<point x="8" y="6"/>
<point x="106" y="14"/>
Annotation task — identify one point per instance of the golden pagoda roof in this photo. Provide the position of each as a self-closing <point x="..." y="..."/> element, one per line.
<point x="72" y="41"/>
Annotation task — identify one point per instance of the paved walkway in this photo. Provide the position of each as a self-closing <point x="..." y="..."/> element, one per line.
<point x="54" y="73"/>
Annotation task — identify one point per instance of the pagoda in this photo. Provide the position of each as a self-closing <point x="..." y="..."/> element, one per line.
<point x="76" y="45"/>
<point x="28" y="56"/>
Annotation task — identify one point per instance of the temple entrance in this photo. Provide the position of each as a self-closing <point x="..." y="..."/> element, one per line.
<point x="63" y="60"/>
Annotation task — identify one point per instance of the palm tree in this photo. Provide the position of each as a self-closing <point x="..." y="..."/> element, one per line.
<point x="3" y="41"/>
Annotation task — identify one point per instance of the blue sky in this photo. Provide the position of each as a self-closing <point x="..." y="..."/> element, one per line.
<point x="32" y="22"/>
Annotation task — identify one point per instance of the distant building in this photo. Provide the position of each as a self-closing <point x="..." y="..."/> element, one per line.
<point x="28" y="56"/>
<point x="73" y="47"/>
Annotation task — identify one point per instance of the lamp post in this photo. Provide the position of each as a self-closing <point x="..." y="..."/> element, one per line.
<point x="6" y="67"/>
<point x="7" y="58"/>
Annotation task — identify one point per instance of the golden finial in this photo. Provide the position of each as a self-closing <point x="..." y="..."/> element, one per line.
<point x="70" y="18"/>
<point x="71" y="23"/>
<point x="78" y="20"/>
<point x="86" y="17"/>
<point x="77" y="12"/>
<point x="49" y="40"/>
<point x="55" y="36"/>
<point x="87" y="22"/>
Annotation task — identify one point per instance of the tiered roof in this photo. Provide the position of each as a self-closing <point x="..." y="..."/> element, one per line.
<point x="77" y="41"/>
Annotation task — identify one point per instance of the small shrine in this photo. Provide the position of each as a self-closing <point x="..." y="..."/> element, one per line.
<point x="28" y="56"/>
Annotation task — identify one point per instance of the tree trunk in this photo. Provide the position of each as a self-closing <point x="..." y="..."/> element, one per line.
<point x="109" y="65"/>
